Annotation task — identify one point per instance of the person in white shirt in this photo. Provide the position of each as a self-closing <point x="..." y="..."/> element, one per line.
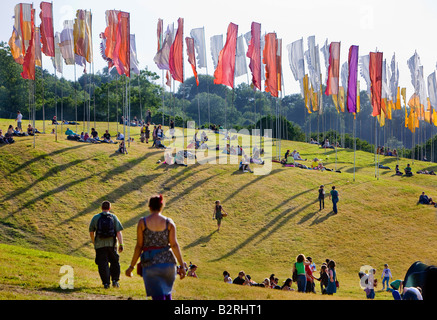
<point x="19" y="119"/>
<point x="386" y="276"/>
<point x="371" y="284"/>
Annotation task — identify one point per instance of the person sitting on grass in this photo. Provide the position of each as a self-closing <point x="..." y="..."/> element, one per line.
<point x="398" y="171"/>
<point x="159" y="144"/>
<point x="94" y="135"/>
<point x="424" y="199"/>
<point x="106" y="138"/>
<point x="192" y="271"/>
<point x="408" y="171"/>
<point x="297" y="156"/>
<point x="122" y="148"/>
<point x="315" y="164"/>
<point x="244" y="164"/>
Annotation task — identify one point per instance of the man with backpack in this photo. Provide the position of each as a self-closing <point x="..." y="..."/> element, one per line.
<point x="105" y="229"/>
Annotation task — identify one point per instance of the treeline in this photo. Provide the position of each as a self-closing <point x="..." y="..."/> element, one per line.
<point x="104" y="94"/>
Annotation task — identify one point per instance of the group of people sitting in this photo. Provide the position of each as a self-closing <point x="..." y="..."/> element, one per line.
<point x="292" y="160"/>
<point x="386" y="152"/>
<point x="93" y="138"/>
<point x="8" y="136"/>
<point x="273" y="282"/>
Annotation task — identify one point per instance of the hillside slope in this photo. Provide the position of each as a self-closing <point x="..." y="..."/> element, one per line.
<point x="49" y="193"/>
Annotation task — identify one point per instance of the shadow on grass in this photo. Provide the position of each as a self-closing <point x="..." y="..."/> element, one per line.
<point x="202" y="240"/>
<point x="52" y="172"/>
<point x="43" y="156"/>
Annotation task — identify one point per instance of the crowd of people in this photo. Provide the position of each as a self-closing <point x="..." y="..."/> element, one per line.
<point x="303" y="279"/>
<point x="8" y="136"/>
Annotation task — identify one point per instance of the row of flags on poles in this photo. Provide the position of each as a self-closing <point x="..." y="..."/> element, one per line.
<point x="74" y="44"/>
<point x="265" y="62"/>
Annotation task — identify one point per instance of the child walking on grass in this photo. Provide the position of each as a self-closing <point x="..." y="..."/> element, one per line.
<point x="219" y="214"/>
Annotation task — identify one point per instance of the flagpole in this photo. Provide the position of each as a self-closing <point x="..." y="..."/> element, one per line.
<point x="75" y="93"/>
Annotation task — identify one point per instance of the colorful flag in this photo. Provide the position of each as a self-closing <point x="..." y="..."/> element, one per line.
<point x="82" y="37"/>
<point x="375" y="73"/>
<point x="66" y="44"/>
<point x="192" y="56"/>
<point x="38" y="54"/>
<point x="279" y="63"/>
<point x="269" y="59"/>
<point x="240" y="58"/>
<point x="254" y="54"/>
<point x="432" y="89"/>
<point x="225" y="71"/>
<point x="22" y="31"/>
<point x="160" y="34"/>
<point x="176" y="62"/>
<point x="334" y="69"/>
<point x="46" y="29"/>
<point x="109" y="37"/>
<point x="162" y="56"/>
<point x="297" y="62"/>
<point x="198" y="35"/>
<point x="121" y="56"/>
<point x="352" y="79"/>
<point x="307" y="94"/>
<point x="57" y="59"/>
<point x="29" y="57"/>
<point x="134" y="64"/>
<point x="216" y="47"/>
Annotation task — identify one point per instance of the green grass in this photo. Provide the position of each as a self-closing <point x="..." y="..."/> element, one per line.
<point x="49" y="193"/>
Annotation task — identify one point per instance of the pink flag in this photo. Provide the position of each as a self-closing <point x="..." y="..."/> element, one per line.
<point x="352" y="80"/>
<point x="176" y="57"/>
<point x="254" y="54"/>
<point x="46" y="29"/>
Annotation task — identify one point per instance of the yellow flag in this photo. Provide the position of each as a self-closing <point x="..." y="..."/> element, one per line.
<point x="398" y="100"/>
<point x="358" y="96"/>
<point x="335" y="100"/>
<point x="307" y="93"/>
<point x="341" y="102"/>
<point x="434" y="117"/>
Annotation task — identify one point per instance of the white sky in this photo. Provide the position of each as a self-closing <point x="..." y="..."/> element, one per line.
<point x="389" y="26"/>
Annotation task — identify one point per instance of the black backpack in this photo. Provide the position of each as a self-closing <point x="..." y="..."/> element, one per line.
<point x="106" y="226"/>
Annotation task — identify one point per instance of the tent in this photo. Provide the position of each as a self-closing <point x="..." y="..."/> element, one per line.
<point x="423" y="276"/>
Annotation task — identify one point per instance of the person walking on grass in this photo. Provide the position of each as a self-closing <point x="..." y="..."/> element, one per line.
<point x="105" y="229"/>
<point x="218" y="214"/>
<point x="158" y="247"/>
<point x="321" y="198"/>
<point x="333" y="195"/>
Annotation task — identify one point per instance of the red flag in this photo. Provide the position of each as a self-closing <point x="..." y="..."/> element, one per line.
<point x="375" y="71"/>
<point x="334" y="69"/>
<point x="254" y="53"/>
<point x="270" y="60"/>
<point x="46" y="29"/>
<point x="176" y="57"/>
<point x="121" y="57"/>
<point x="29" y="58"/>
<point x="224" y="73"/>
<point x="191" y="56"/>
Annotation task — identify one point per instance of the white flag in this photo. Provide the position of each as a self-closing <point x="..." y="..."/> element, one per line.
<point x="216" y="47"/>
<point x="394" y="80"/>
<point x="297" y="61"/>
<point x="66" y="44"/>
<point x="364" y="70"/>
<point x="57" y="60"/>
<point x="313" y="61"/>
<point x="134" y="64"/>
<point x="198" y="35"/>
<point x="432" y="89"/>
<point x="240" y="58"/>
<point x="413" y="65"/>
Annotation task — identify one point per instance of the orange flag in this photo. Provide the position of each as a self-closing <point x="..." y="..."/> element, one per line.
<point x="270" y="60"/>
<point x="332" y="85"/>
<point x="29" y="58"/>
<point x="375" y="71"/>
<point x="176" y="56"/>
<point x="122" y="47"/>
<point x="224" y="73"/>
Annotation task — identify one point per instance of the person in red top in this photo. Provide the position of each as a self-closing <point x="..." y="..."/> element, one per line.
<point x="310" y="278"/>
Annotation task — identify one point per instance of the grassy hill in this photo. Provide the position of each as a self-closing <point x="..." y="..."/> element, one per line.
<point x="49" y="193"/>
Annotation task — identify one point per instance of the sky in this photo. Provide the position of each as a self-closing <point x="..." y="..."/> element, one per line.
<point x="398" y="27"/>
